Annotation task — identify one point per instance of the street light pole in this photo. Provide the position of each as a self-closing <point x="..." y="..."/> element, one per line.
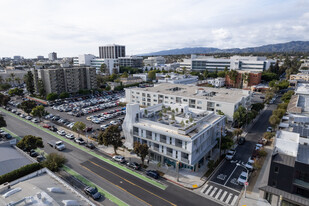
<point x="247" y="177"/>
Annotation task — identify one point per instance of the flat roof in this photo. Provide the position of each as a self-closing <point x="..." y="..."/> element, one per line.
<point x="11" y="159"/>
<point x="190" y="91"/>
<point x="40" y="185"/>
<point x="287" y="143"/>
<point x="302" y="88"/>
<point x="303" y="154"/>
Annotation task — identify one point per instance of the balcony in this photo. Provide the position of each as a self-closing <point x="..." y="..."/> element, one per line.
<point x="148" y="136"/>
<point x="185" y="160"/>
<point x="169" y="154"/>
<point x="135" y="133"/>
<point x="156" y="149"/>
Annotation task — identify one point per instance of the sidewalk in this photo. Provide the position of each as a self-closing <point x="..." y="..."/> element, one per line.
<point x="252" y="197"/>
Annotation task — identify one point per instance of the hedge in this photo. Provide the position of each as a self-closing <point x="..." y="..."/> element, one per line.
<point x="18" y="173"/>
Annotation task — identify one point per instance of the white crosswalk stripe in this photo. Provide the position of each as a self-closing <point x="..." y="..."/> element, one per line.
<point x="225" y="197"/>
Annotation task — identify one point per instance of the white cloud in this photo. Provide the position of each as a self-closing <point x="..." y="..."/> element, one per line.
<point x="72" y="27"/>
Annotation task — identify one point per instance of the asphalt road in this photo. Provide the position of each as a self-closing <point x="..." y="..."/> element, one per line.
<point x="229" y="172"/>
<point x="125" y="186"/>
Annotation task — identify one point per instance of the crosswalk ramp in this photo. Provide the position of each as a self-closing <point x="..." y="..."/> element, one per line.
<point x="227" y="198"/>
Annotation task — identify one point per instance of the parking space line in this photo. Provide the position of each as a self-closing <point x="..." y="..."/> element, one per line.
<point x="230" y="175"/>
<point x="223" y="196"/>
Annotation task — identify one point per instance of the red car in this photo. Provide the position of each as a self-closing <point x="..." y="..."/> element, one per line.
<point x="46" y="126"/>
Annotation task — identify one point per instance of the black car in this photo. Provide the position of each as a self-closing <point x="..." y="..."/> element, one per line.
<point x="241" y="140"/>
<point x="90" y="145"/>
<point x="134" y="165"/>
<point x="153" y="174"/>
<point x="33" y="153"/>
<point x="54" y="129"/>
<point x="92" y="192"/>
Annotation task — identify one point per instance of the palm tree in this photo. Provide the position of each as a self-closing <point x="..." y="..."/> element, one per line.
<point x="18" y="80"/>
<point x="8" y="80"/>
<point x="12" y="75"/>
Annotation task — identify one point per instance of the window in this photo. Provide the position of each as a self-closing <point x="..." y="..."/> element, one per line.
<point x="172" y="97"/>
<point x="276" y="169"/>
<point x="274" y="184"/>
<point x="199" y="102"/>
<point x="185" y="100"/>
<point x="268" y="197"/>
<point x="143" y="94"/>
<point x="199" y="107"/>
<point x="166" y="97"/>
<point x="218" y="105"/>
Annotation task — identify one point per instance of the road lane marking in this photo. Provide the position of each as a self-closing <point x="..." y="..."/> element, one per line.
<point x="108" y="161"/>
<point x="228" y="198"/>
<point x="223" y="196"/>
<point x="130" y="182"/>
<point x="114" y="184"/>
<point x="230" y="175"/>
<point x="234" y="200"/>
<point x="218" y="194"/>
<point x="209" y="189"/>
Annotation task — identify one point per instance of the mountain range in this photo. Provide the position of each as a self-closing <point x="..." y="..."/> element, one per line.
<point x="293" y="46"/>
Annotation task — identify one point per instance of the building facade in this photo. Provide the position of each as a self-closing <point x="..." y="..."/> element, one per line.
<point x="112" y="51"/>
<point x="154" y="61"/>
<point x="131" y="61"/>
<point x="288" y="178"/>
<point x="244" y="79"/>
<point x="175" y="78"/>
<point x="52" y="56"/>
<point x="71" y="80"/>
<point x="174" y="133"/>
<point x="205" y="98"/>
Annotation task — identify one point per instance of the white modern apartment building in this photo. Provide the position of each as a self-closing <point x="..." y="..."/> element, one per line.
<point x="52" y="56"/>
<point x="245" y="63"/>
<point x="154" y="61"/>
<point x="216" y="82"/>
<point x="92" y="61"/>
<point x="175" y="78"/>
<point x="174" y="133"/>
<point x="143" y="76"/>
<point x="205" y="98"/>
<point x="112" y="51"/>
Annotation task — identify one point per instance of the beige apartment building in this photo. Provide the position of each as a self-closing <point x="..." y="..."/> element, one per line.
<point x="71" y="80"/>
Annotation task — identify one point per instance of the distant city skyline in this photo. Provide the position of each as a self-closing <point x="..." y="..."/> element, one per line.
<point x="70" y="28"/>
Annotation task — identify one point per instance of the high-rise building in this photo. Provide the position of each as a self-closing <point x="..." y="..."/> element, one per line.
<point x="40" y="57"/>
<point x="112" y="51"/>
<point x="72" y="79"/>
<point x="52" y="56"/>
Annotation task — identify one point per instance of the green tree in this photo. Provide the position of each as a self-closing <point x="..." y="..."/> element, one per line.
<point x="287" y="96"/>
<point x="111" y="136"/>
<point x="269" y="76"/>
<point x="104" y="69"/>
<point x="220" y="112"/>
<point x="152" y="75"/>
<point x="4" y="99"/>
<point x="125" y="75"/>
<point x="54" y="161"/>
<point x="206" y="74"/>
<point x="18" y="80"/>
<point x="41" y="88"/>
<point x="79" y="127"/>
<point x="239" y="116"/>
<point x="39" y="111"/>
<point x="282" y="106"/>
<point x="29" y="142"/>
<point x="141" y="150"/>
<point x="27" y="106"/>
<point x="237" y="132"/>
<point x="221" y="74"/>
<point x="2" y="121"/>
<point x="16" y="91"/>
<point x="268" y="135"/>
<point x="257" y="106"/>
<point x="51" y="96"/>
<point x="279" y="113"/>
<point x="29" y="82"/>
<point x="274" y="120"/>
<point x="226" y="143"/>
<point x="64" y="95"/>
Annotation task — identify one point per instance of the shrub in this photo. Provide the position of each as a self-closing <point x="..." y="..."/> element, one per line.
<point x="23" y="171"/>
<point x="262" y="153"/>
<point x="54" y="161"/>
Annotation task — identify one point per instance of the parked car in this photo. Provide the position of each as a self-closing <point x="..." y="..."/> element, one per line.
<point x="33" y="153"/>
<point x="57" y="145"/>
<point x="79" y="140"/>
<point x="61" y="132"/>
<point x="230" y="154"/>
<point x="22" y="115"/>
<point x="46" y="126"/>
<point x="90" y="145"/>
<point x="53" y="129"/>
<point x="119" y="158"/>
<point x="92" y="192"/>
<point x="134" y="165"/>
<point x="262" y="141"/>
<point x="269" y="129"/>
<point x="241" y="140"/>
<point x="249" y="164"/>
<point x="153" y="174"/>
<point x="28" y="118"/>
<point x="243" y="177"/>
<point x="35" y="120"/>
<point x="70" y="136"/>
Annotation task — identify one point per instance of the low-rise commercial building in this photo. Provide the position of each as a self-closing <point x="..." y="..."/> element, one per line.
<point x="72" y="79"/>
<point x="90" y="60"/>
<point x="174" y="133"/>
<point x="143" y="76"/>
<point x="244" y="79"/>
<point x="288" y="177"/>
<point x="175" y="78"/>
<point x="217" y="82"/>
<point x="205" y="98"/>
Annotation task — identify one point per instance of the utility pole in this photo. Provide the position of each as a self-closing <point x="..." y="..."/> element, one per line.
<point x="177" y="169"/>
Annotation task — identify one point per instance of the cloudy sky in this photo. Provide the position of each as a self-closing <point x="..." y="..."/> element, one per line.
<point x="71" y="27"/>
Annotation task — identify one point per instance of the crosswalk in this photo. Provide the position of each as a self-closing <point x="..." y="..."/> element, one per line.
<point x="227" y="198"/>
